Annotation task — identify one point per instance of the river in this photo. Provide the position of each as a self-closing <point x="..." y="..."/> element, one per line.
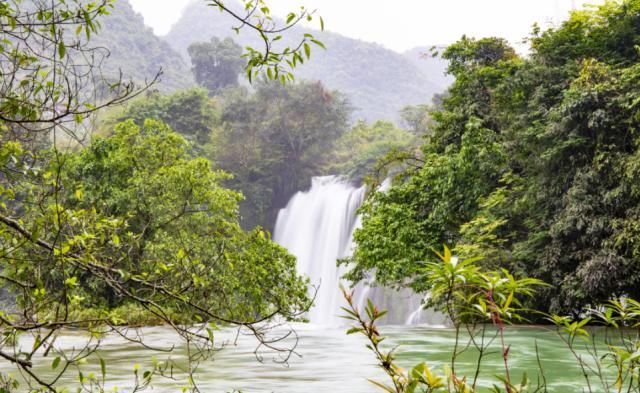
<point x="329" y="361"/>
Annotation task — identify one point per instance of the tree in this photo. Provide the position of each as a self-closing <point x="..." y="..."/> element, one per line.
<point x="216" y="64"/>
<point x="135" y="224"/>
<point x="190" y="113"/>
<point x="416" y="118"/>
<point x="273" y="141"/>
<point x="530" y="162"/>
<point x="70" y="263"/>
<point x="424" y="208"/>
<point x="275" y="62"/>
<point x="358" y="151"/>
<point x="181" y="227"/>
<point x="47" y="72"/>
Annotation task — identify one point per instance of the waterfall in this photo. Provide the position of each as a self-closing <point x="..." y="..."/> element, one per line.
<point x="317" y="227"/>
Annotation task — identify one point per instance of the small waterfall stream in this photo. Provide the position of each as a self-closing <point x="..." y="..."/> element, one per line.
<point x="317" y="227"/>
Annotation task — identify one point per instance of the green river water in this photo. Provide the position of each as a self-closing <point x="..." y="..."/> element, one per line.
<point x="330" y="361"/>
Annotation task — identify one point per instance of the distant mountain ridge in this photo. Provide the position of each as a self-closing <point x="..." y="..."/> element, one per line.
<point x="377" y="81"/>
<point x="138" y="53"/>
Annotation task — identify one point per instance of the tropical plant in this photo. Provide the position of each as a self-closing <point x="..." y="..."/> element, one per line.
<point x="604" y="343"/>
<point x="529" y="161"/>
<point x="477" y="302"/>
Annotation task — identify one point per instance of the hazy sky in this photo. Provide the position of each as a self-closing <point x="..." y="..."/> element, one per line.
<point x="402" y="24"/>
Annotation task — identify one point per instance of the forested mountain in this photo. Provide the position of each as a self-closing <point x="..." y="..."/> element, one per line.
<point x="377" y="81"/>
<point x="138" y="53"/>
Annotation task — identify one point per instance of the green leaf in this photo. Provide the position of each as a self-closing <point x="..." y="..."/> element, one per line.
<point x="55" y="363"/>
<point x="384" y="387"/>
<point x="71" y="281"/>
<point x="447" y="253"/>
<point x="62" y="49"/>
<point x="320" y="44"/>
<point x="354" y="330"/>
<point x="307" y="50"/>
<point x="509" y="300"/>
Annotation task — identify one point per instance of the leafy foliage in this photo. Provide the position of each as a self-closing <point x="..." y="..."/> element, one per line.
<point x="473" y="299"/>
<point x="528" y="161"/>
<point x="175" y="210"/>
<point x="398" y="228"/>
<point x="613" y="368"/>
<point x="359" y="150"/>
<point x="480" y="303"/>
<point x="216" y="64"/>
<point x="133" y="223"/>
<point x="255" y="136"/>
<point x="417" y="118"/>
<point x="271" y="57"/>
<point x="190" y="113"/>
<point x="273" y="141"/>
<point x="130" y="224"/>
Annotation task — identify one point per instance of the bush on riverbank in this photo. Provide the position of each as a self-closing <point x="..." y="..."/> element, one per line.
<point x="481" y="304"/>
<point x="531" y="161"/>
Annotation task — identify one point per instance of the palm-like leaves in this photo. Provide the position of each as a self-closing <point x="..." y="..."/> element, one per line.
<point x="464" y="291"/>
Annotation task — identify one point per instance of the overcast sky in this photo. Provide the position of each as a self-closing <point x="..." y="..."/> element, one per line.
<point x="402" y="24"/>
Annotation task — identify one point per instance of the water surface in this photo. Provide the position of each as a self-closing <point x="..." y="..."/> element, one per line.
<point x="330" y="360"/>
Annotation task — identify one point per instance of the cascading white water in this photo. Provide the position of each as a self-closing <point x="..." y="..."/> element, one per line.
<point x="317" y="227"/>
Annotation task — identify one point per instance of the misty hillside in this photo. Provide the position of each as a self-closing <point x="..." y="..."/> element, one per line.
<point x="377" y="81"/>
<point x="136" y="51"/>
<point x="434" y="67"/>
